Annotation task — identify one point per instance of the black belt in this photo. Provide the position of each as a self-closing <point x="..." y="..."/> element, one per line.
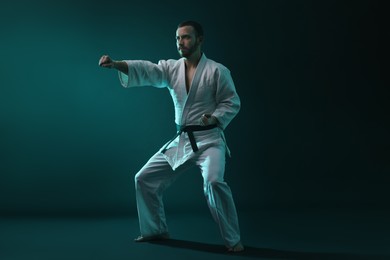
<point x="189" y="129"/>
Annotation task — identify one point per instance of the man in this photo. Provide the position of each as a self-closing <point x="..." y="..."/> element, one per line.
<point x="205" y="102"/>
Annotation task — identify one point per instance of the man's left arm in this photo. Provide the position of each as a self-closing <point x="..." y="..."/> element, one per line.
<point x="228" y="101"/>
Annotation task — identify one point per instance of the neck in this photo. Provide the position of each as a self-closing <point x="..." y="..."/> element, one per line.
<point x="193" y="60"/>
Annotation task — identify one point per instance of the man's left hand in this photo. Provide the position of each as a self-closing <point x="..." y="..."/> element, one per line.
<point x="208" y="119"/>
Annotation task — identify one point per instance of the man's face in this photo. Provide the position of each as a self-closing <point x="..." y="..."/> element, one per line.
<point x="186" y="41"/>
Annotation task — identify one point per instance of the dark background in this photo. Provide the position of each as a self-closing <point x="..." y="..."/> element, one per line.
<point x="313" y="130"/>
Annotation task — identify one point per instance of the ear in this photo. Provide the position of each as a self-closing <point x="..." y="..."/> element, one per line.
<point x="200" y="39"/>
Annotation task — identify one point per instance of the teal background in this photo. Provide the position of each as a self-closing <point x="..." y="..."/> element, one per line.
<point x="313" y="130"/>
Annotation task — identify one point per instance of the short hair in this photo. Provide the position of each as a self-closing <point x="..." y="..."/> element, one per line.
<point x="197" y="27"/>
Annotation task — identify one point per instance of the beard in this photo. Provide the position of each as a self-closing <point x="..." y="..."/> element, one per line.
<point x="187" y="52"/>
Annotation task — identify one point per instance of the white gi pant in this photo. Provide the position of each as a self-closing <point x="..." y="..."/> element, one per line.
<point x="157" y="175"/>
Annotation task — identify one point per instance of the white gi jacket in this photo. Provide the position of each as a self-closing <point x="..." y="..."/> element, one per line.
<point x="212" y="91"/>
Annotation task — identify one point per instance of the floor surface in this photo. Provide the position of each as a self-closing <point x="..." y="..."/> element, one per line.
<point x="267" y="234"/>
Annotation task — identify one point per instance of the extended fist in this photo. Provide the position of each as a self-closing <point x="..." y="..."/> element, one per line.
<point x="106" y="62"/>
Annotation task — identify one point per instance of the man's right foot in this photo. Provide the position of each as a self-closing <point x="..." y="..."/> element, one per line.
<point x="239" y="247"/>
<point x="162" y="236"/>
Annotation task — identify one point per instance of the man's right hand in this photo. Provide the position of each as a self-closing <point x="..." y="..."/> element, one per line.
<point x="106" y="62"/>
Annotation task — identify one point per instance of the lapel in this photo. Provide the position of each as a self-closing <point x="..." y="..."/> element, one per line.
<point x="193" y="87"/>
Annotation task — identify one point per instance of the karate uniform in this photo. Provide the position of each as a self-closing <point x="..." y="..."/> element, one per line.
<point x="212" y="91"/>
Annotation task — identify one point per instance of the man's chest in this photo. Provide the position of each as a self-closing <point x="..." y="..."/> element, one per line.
<point x="189" y="75"/>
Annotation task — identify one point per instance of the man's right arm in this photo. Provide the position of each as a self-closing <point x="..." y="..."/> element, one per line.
<point x="136" y="73"/>
<point x="106" y="62"/>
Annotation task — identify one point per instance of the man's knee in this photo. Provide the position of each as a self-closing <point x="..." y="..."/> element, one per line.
<point x="213" y="177"/>
<point x="210" y="185"/>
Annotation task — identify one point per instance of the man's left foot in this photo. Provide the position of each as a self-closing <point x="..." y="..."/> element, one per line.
<point x="162" y="236"/>
<point x="239" y="247"/>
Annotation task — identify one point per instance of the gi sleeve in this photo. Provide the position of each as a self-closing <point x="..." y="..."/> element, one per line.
<point x="228" y="101"/>
<point x="144" y="73"/>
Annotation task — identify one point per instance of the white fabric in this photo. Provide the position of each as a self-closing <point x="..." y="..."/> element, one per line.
<point x="152" y="180"/>
<point x="212" y="91"/>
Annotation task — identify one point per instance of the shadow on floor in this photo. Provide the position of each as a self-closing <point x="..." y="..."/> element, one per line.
<point x="254" y="252"/>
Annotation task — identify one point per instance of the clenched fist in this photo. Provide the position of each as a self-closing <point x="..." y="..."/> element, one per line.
<point x="208" y="119"/>
<point x="106" y="62"/>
